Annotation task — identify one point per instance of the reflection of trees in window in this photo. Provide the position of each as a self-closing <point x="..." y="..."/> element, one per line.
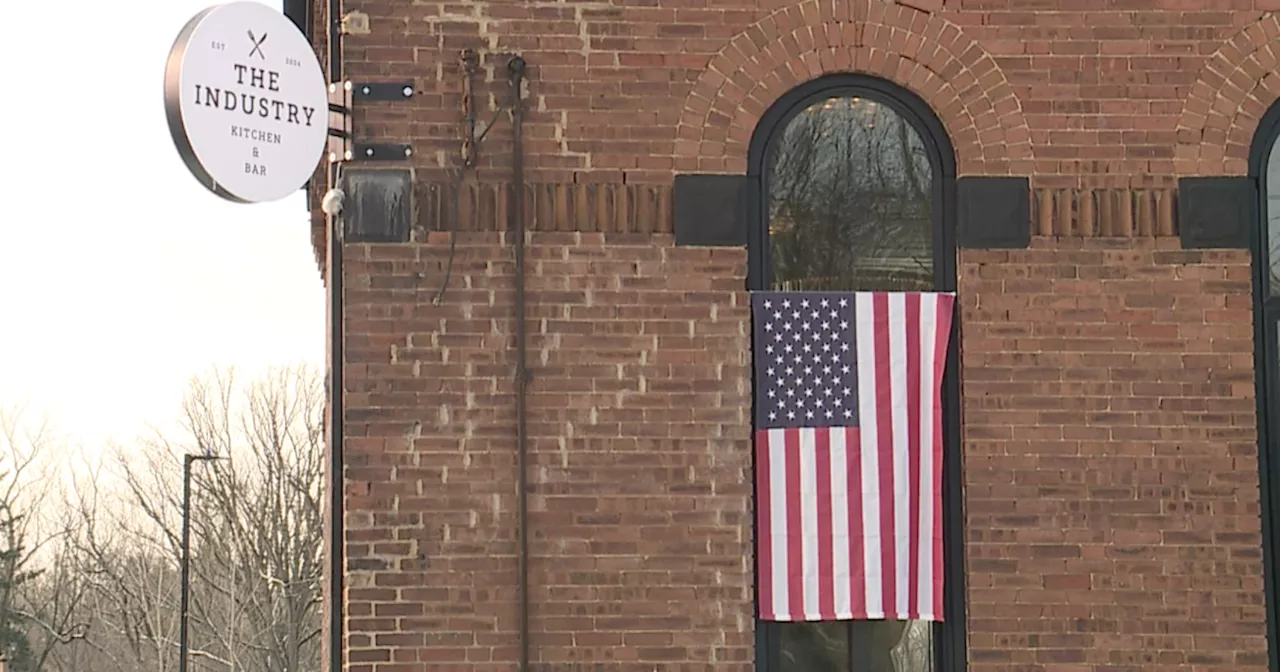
<point x="851" y="208"/>
<point x="850" y="200"/>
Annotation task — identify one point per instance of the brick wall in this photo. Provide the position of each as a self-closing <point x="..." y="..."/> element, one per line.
<point x="1109" y="419"/>
<point x="1111" y="458"/>
<point x="1111" y="475"/>
<point x="639" y="421"/>
<point x="1088" y="93"/>
<point x="1102" y="106"/>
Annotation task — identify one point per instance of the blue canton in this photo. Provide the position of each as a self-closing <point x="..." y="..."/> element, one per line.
<point x="805" y="353"/>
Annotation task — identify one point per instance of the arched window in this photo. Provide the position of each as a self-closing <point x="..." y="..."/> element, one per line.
<point x="1264" y="168"/>
<point x="855" y="190"/>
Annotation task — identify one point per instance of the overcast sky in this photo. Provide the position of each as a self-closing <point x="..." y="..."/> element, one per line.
<point x="120" y="276"/>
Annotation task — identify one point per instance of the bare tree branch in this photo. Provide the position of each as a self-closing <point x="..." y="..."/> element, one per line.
<point x="256" y="523"/>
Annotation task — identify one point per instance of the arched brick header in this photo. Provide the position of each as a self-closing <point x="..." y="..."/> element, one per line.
<point x="1235" y="88"/>
<point x="919" y="51"/>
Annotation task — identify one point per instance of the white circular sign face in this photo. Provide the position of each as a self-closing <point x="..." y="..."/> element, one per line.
<point x="247" y="104"/>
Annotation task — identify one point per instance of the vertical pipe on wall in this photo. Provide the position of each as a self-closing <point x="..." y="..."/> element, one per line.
<point x="335" y="41"/>
<point x="336" y="536"/>
<point x="516" y="69"/>
<point x="334" y="271"/>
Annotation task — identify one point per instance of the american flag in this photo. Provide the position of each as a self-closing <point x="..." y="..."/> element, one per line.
<point x="848" y="437"/>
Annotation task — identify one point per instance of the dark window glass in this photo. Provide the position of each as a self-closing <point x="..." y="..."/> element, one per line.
<point x="850" y="207"/>
<point x="813" y="647"/>
<point x="863" y="646"/>
<point x="1273" y="219"/>
<point x="850" y="201"/>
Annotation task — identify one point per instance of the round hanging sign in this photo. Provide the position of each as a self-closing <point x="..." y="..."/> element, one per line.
<point x="247" y="103"/>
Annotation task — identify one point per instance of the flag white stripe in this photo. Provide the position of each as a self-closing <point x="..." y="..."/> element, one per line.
<point x="924" y="489"/>
<point x="778" y="518"/>
<point x="899" y="432"/>
<point x="840" y="525"/>
<point x="871" y="533"/>
<point x="809" y="522"/>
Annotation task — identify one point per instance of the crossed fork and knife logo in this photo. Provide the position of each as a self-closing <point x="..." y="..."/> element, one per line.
<point x="257" y="45"/>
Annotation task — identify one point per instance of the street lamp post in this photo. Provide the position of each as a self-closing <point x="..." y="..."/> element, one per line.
<point x="183" y="645"/>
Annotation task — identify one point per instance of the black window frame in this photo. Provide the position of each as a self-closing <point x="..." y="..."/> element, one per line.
<point x="950" y="643"/>
<point x="1266" y="349"/>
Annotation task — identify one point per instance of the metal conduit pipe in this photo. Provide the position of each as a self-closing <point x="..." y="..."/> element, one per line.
<point x="334" y="272"/>
<point x="516" y="70"/>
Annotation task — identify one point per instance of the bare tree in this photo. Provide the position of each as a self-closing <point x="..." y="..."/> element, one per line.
<point x="51" y="603"/>
<point x="256" y="550"/>
<point x="39" y="590"/>
<point x="131" y="605"/>
<point x="265" y="572"/>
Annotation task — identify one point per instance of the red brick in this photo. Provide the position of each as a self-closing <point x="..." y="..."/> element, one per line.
<point x="1109" y="425"/>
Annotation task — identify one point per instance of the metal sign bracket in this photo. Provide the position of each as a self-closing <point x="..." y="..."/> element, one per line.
<point x="343" y="144"/>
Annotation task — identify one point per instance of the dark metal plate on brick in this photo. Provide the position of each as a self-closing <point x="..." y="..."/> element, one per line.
<point x="378" y="206"/>
<point x="994" y="212"/>
<point x="382" y="90"/>
<point x="710" y="210"/>
<point x="372" y="152"/>
<point x="1217" y="212"/>
<point x="299" y="11"/>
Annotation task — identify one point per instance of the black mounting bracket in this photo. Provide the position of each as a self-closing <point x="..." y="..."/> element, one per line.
<point x="383" y="90"/>
<point x="381" y="152"/>
<point x="341" y="134"/>
<point x="343" y="145"/>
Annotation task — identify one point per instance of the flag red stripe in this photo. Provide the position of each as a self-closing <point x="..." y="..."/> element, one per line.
<point x="826" y="527"/>
<point x="884" y="445"/>
<point x="914" y="352"/>
<point x="795" y="534"/>
<point x="764" y="526"/>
